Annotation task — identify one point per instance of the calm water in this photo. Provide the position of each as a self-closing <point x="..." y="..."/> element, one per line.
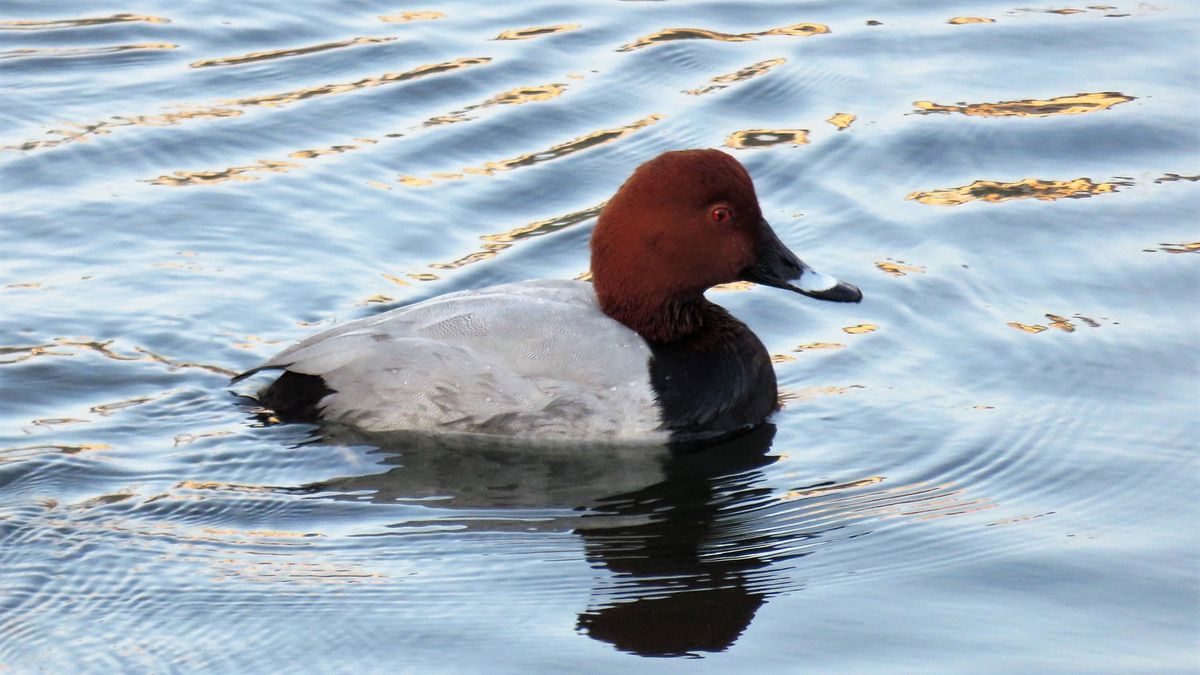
<point x="989" y="465"/>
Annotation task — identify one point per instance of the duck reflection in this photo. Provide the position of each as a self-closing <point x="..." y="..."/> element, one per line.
<point x="687" y="567"/>
<point x="682" y="582"/>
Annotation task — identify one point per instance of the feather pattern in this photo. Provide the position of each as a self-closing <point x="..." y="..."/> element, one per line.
<point x="487" y="361"/>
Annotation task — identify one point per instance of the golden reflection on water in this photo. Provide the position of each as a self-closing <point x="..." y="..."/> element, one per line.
<point x="947" y="504"/>
<point x="861" y="328"/>
<point x="996" y="191"/>
<point x="1064" y="11"/>
<point x="495" y="243"/>
<point x="842" y="120"/>
<point x="1061" y="323"/>
<point x="260" y="555"/>
<point x="795" y="30"/>
<point x="254" y="342"/>
<point x="1028" y="328"/>
<point x="57" y="347"/>
<point x="1057" y="322"/>
<point x="55" y="421"/>
<point x="333" y="149"/>
<point x="82" y="132"/>
<point x="24" y="452"/>
<point x="233" y="108"/>
<point x="671" y="34"/>
<point x="274" y="100"/>
<point x="405" y="17"/>
<point x="492" y="245"/>
<point x="516" y="96"/>
<point x="53" y="24"/>
<point x="763" y="138"/>
<point x="106" y="409"/>
<point x="1166" y="247"/>
<point x="807" y="347"/>
<point x="898" y="268"/>
<point x="960" y="20"/>
<point x="825" y="489"/>
<point x="218" y="486"/>
<point x="555" y="152"/>
<point x="541" y="227"/>
<point x="536" y="31"/>
<point x="71" y="346"/>
<point x="722" y="81"/>
<point x="787" y="396"/>
<point x="922" y="499"/>
<point x="1173" y="177"/>
<point x="284" y="53"/>
<point x="1075" y="104"/>
<point x="75" y="52"/>
<point x="240" y="173"/>
<point x="543" y="92"/>
<point x="377" y="299"/>
<point x="733" y="286"/>
<point x="188" y="438"/>
<point x="247" y="535"/>
<point x="176" y="363"/>
<point x="813" y="346"/>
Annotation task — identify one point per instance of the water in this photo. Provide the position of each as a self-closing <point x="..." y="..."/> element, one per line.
<point x="988" y="465"/>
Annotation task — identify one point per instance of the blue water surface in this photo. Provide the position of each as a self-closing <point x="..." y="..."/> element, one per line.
<point x="990" y="465"/>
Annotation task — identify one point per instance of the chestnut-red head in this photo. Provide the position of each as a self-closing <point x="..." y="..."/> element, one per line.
<point x="685" y="221"/>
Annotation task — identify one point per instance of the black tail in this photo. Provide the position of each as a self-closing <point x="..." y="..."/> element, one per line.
<point x="294" y="396"/>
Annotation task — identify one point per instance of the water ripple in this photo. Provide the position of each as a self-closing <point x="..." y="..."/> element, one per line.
<point x="584" y="142"/>
<point x="1029" y="188"/>
<point x="723" y="81"/>
<point x="765" y="138"/>
<point x="253" y="57"/>
<point x="251" y="172"/>
<point x="673" y="34"/>
<point x="233" y="107"/>
<point x="405" y="17"/>
<point x="1002" y="423"/>
<point x="83" y="52"/>
<point x="536" y="31"/>
<point x="1075" y="104"/>
<point x="55" y="24"/>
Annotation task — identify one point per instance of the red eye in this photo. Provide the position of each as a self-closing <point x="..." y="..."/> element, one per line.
<point x="721" y="215"/>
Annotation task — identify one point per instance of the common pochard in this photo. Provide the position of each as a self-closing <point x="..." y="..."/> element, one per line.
<point x="639" y="354"/>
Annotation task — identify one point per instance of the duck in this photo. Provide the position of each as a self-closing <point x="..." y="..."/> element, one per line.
<point x="639" y="354"/>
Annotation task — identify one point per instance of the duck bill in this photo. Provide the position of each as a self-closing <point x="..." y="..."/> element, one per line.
<point x="777" y="266"/>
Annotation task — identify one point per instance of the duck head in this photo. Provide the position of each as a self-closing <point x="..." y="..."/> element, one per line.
<point x="684" y="222"/>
